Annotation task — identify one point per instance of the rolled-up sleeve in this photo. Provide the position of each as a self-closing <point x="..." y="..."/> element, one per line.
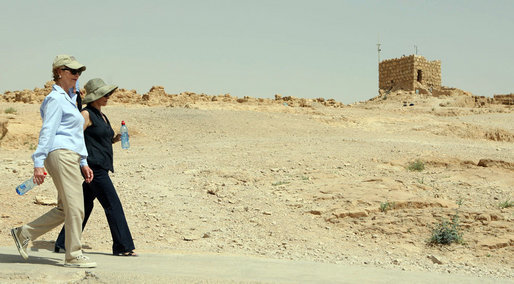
<point x="83" y="161"/>
<point x="51" y="113"/>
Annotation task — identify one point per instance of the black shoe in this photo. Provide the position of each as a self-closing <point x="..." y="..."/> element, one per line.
<point x="59" y="249"/>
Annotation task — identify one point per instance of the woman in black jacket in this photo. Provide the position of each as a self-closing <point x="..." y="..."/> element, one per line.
<point x="99" y="137"/>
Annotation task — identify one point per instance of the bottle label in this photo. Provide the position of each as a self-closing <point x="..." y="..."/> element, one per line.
<point x="21" y="189"/>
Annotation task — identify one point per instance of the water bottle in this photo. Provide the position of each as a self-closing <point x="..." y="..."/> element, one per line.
<point x="26" y="186"/>
<point x="124" y="136"/>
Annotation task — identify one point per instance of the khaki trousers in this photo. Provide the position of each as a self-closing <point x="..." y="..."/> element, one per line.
<point x="63" y="166"/>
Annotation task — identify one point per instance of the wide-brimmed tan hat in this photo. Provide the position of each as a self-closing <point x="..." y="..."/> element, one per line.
<point x="95" y="89"/>
<point x="68" y="61"/>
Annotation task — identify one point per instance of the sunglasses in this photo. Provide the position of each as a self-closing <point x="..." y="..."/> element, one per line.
<point x="73" y="71"/>
<point x="109" y="94"/>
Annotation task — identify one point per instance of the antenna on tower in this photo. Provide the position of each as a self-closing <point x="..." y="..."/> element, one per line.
<point x="416" y="49"/>
<point x="378" y="51"/>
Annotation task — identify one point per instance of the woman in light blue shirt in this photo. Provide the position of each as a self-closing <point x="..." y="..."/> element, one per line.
<point x="61" y="150"/>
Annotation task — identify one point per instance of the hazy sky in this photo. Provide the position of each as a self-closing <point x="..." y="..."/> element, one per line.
<point x="257" y="48"/>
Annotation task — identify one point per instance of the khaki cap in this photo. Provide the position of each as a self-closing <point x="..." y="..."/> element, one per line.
<point x="68" y="61"/>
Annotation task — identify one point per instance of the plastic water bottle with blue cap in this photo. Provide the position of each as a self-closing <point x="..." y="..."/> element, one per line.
<point x="26" y="186"/>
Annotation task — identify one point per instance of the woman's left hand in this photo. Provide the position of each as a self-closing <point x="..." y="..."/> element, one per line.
<point x="88" y="173"/>
<point x="116" y="138"/>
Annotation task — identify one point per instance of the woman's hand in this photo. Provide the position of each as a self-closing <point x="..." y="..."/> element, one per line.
<point x="88" y="173"/>
<point x="116" y="138"/>
<point x="39" y="175"/>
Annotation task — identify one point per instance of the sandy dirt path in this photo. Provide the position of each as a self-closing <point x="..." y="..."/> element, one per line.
<point x="44" y="266"/>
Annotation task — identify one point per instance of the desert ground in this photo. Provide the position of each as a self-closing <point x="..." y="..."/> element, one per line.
<point x="287" y="179"/>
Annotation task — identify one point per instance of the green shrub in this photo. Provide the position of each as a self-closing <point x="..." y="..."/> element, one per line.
<point x="417" y="165"/>
<point x="10" y="110"/>
<point x="447" y="232"/>
<point x="506" y="204"/>
<point x="386" y="206"/>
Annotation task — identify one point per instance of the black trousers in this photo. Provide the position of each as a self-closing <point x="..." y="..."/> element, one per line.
<point x="101" y="187"/>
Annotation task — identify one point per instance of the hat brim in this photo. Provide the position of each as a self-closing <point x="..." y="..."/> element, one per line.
<point x="76" y="65"/>
<point x="100" y="92"/>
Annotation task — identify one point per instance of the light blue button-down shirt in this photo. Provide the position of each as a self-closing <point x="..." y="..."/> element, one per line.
<point x="63" y="127"/>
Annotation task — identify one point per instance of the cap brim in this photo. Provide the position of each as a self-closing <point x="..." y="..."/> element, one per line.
<point x="76" y="65"/>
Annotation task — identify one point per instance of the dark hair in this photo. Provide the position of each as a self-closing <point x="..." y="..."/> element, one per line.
<point x="55" y="73"/>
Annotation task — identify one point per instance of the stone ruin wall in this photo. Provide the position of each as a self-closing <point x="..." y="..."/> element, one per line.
<point x="504" y="99"/>
<point x="402" y="73"/>
<point x="507" y="99"/>
<point x="157" y="96"/>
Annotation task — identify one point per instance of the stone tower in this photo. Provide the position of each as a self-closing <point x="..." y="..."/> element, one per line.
<point x="408" y="72"/>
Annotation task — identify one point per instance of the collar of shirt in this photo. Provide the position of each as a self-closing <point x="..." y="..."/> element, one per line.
<point x="71" y="97"/>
